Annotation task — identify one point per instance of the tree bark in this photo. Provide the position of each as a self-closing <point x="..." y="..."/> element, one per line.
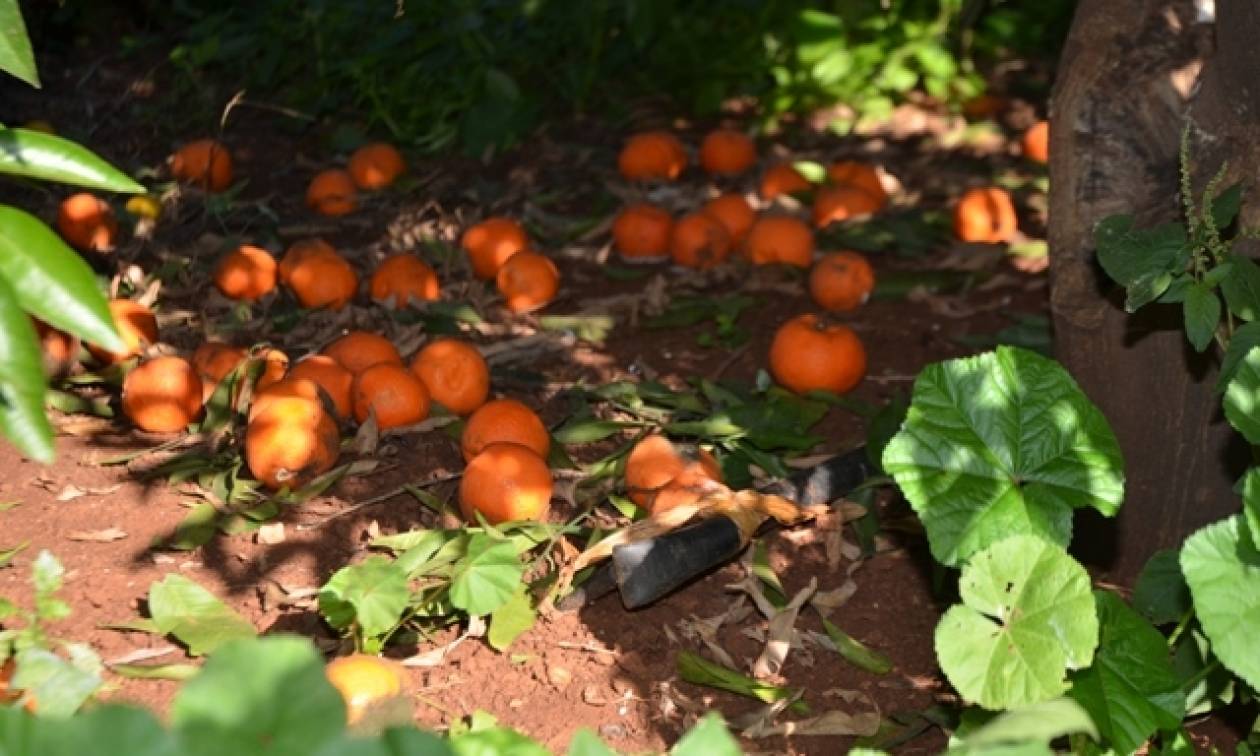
<point x="1131" y="74"/>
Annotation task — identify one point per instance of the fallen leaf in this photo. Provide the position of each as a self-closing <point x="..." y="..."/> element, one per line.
<point x="71" y="491"/>
<point x="825" y="602"/>
<point x="781" y="634"/>
<point x="98" y="536"/>
<point x="142" y="654"/>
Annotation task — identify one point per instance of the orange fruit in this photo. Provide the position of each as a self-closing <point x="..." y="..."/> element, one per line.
<point x="162" y="395"/>
<point x="505" y="482"/>
<point x="641" y="232"/>
<point x="332" y="192"/>
<point x="87" y="223"/>
<point x="359" y="350"/>
<point x="985" y="215"/>
<point x="1036" y="142"/>
<point x="376" y="165"/>
<point x="364" y="682"/>
<point x="288" y="389"/>
<point x="528" y="281"/>
<point x="810" y="353"/>
<point x="697" y="479"/>
<point x="651" y="465"/>
<point x="780" y="239"/>
<point x="735" y="214"/>
<point x="291" y="441"/>
<point x="275" y="365"/>
<point x="300" y="251"/>
<point x="247" y="273"/>
<point x="840" y="202"/>
<point x="213" y="360"/>
<point x="204" y="163"/>
<point x="402" y="279"/>
<point x="455" y="374"/>
<point x="391" y="392"/>
<point x="699" y="241"/>
<point x="323" y="280"/>
<point x="60" y="350"/>
<point x="652" y="155"/>
<point x="861" y="175"/>
<point x="491" y="242"/>
<point x="504" y="421"/>
<point x="780" y="179"/>
<point x="727" y="152"/>
<point x="841" y="281"/>
<point x="136" y="325"/>
<point x="329" y="375"/>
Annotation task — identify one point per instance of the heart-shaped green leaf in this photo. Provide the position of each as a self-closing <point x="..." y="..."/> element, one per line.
<point x="487" y="576"/>
<point x="1242" y="397"/>
<point x="373" y="594"/>
<point x="1222" y="568"/>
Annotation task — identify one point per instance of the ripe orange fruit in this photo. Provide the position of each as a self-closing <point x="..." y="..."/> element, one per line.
<point x="213" y="360"/>
<point x="699" y="241"/>
<point x="505" y="482"/>
<point x="840" y="202"/>
<point x="363" y="681"/>
<point x="359" y="350"/>
<point x="641" y="232"/>
<point x="136" y="325"/>
<point x="697" y="479"/>
<point x="401" y="279"/>
<point x="332" y="192"/>
<point x="376" y="165"/>
<point x="204" y="163"/>
<point x="60" y="350"/>
<point x="287" y="389"/>
<point x="504" y="421"/>
<point x="841" y="281"/>
<point x="727" y="152"/>
<point x="329" y="375"/>
<point x="1036" y="142"/>
<point x="87" y="223"/>
<point x="651" y="465"/>
<point x="290" y="442"/>
<point x="491" y="242"/>
<point x="455" y="374"/>
<point x="861" y="175"/>
<point x="652" y="155"/>
<point x="780" y="179"/>
<point x="300" y="251"/>
<point x="986" y="215"/>
<point x="528" y="281"/>
<point x="323" y="280"/>
<point x="247" y="272"/>
<point x="810" y="353"/>
<point x="162" y="395"/>
<point x="391" y="392"/>
<point x="735" y="214"/>
<point x="780" y="239"/>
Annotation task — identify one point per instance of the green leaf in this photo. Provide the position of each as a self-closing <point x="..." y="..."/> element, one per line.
<point x="1251" y="501"/>
<point x="1246" y="337"/>
<point x="1160" y="593"/>
<point x="107" y="730"/>
<point x="178" y="672"/>
<point x="1027" y="617"/>
<point x="373" y="594"/>
<point x="52" y="281"/>
<point x="1207" y="684"/>
<point x="16" y="56"/>
<point x="1202" y="310"/>
<point x="1222" y="568"/>
<point x="1176" y="291"/>
<point x="586" y="743"/>
<point x="855" y="652"/>
<point x="697" y="670"/>
<point x="1242" y="288"/>
<point x="1039" y="724"/>
<point x="256" y="696"/>
<point x="1147" y="289"/>
<point x="709" y="737"/>
<point x="1242" y="397"/>
<point x="1129" y="254"/>
<point x="1225" y="206"/>
<point x="196" y="529"/>
<point x="487" y="577"/>
<point x="1131" y="690"/>
<point x="59" y="686"/>
<point x="999" y="444"/>
<point x="496" y="741"/>
<point x="182" y="608"/>
<point x="37" y="155"/>
<point x="22" y="381"/>
<point x="511" y="619"/>
<point x="588" y="430"/>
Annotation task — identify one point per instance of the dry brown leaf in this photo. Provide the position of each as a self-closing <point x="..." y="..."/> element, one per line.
<point x="107" y="535"/>
<point x="141" y="655"/>
<point x="781" y="634"/>
<point x="825" y="602"/>
<point x="71" y="491"/>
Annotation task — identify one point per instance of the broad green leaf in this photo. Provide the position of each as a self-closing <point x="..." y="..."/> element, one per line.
<point x="1246" y="337"/>
<point x="1251" y="501"/>
<point x="196" y="529"/>
<point x="588" y="430"/>
<point x="1148" y="289"/>
<point x="1242" y="397"/>
<point x="1225" y="206"/>
<point x="22" y="381"/>
<point x="1242" y="288"/>
<point x="495" y="741"/>
<point x="709" y="737"/>
<point x="107" y="730"/>
<point x="1131" y="690"/>
<point x="36" y="155"/>
<point x="372" y="594"/>
<point x="511" y="619"/>
<point x="487" y="576"/>
<point x="1027" y="618"/>
<point x="1000" y="444"/>
<point x="59" y="686"/>
<point x="259" y="696"/>
<point x="586" y="743"/>
<point x="1222" y="568"/>
<point x="52" y="282"/>
<point x="16" y="56"/>
<point x="182" y="608"/>
<point x="1160" y="593"/>
<point x="1036" y="724"/>
<point x="1130" y="254"/>
<point x="1202" y="310"/>
<point x="1206" y="683"/>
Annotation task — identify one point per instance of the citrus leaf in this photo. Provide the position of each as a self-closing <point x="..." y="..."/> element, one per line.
<point x="999" y="444"/>
<point x="1037" y="724"/>
<point x="59" y="686"/>
<point x="22" y="380"/>
<point x="16" y="56"/>
<point x="52" y="282"/>
<point x="1242" y="287"/>
<point x="1130" y="254"/>
<point x="1202" y="310"/>
<point x="511" y="619"/>
<point x="1027" y="617"/>
<point x="1244" y="339"/>
<point x="1222" y="568"/>
<point x="37" y="155"/>
<point x="588" y="430"/>
<point x="259" y="691"/>
<point x="1131" y="690"/>
<point x="487" y="576"/>
<point x="1160" y="593"/>
<point x="708" y="738"/>
<point x="1242" y="397"/>
<point x="372" y="594"/>
<point x="855" y="651"/>
<point x="182" y="608"/>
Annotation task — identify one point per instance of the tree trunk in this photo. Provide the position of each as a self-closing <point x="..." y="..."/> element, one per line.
<point x="1132" y="73"/>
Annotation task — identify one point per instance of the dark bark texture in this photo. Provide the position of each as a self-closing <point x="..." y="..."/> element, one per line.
<point x="1132" y="73"/>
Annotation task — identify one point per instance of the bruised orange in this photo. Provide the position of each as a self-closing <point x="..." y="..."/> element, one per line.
<point x="323" y="280"/>
<point x="136" y="325"/>
<point x="504" y="421"/>
<point x="858" y="174"/>
<point x="376" y="165"/>
<point x="290" y="442"/>
<point x="401" y="280"/>
<point x="735" y="214"/>
<point x="332" y="192"/>
<point x="298" y="252"/>
<point x="505" y="482"/>
<point x="528" y="281"/>
<point x="652" y="155"/>
<point x="810" y="353"/>
<point x="204" y="163"/>
<point x="660" y="476"/>
<point x="1036" y="142"/>
<point x="700" y="241"/>
<point x="491" y="242"/>
<point x="780" y="239"/>
<point x="455" y="374"/>
<point x="841" y="281"/>
<point x="213" y="361"/>
<point x="87" y="223"/>
<point x="641" y="232"/>
<point x="331" y="376"/>
<point x="246" y="273"/>
<point x="162" y="395"/>
<point x="392" y="393"/>
<point x="364" y="682"/>
<point x="359" y="350"/>
<point x="985" y="215"/>
<point x="727" y="152"/>
<point x="780" y="179"/>
<point x="840" y="202"/>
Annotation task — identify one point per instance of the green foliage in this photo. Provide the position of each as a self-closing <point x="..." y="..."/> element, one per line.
<point x="1222" y="568"/>
<point x="1024" y="730"/>
<point x="1242" y="397"/>
<point x="1160" y="593"/>
<point x="369" y="597"/>
<point x="47" y="157"/>
<point x="182" y="608"/>
<point x="16" y="56"/>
